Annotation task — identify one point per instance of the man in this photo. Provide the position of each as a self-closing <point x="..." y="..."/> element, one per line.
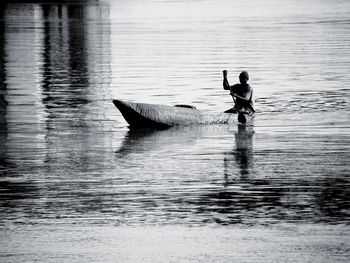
<point x="241" y="93"/>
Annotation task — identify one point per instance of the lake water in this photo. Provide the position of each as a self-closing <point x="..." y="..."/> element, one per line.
<point x="77" y="185"/>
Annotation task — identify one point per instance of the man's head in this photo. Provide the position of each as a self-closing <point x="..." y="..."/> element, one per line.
<point x="243" y="77"/>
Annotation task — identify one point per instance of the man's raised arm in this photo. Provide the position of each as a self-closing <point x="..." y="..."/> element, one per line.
<point x="225" y="82"/>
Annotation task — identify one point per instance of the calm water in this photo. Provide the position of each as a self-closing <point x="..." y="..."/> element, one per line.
<point x="73" y="176"/>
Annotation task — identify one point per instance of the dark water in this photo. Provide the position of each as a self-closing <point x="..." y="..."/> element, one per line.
<point x="67" y="157"/>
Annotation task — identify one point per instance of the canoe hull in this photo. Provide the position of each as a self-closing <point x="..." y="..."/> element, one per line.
<point x="142" y="115"/>
<point x="132" y="113"/>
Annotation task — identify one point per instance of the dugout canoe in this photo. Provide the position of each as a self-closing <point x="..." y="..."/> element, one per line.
<point x="144" y="115"/>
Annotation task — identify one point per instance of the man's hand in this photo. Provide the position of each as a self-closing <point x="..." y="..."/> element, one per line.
<point x="225" y="73"/>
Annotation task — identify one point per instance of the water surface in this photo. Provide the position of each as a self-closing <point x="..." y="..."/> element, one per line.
<point x="67" y="157"/>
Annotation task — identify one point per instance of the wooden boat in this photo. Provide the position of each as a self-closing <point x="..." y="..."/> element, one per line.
<point x="142" y="115"/>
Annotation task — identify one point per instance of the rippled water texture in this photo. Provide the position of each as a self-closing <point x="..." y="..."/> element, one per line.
<point x="68" y="158"/>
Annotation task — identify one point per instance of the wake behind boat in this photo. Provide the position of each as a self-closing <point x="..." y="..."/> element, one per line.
<point x="143" y="115"/>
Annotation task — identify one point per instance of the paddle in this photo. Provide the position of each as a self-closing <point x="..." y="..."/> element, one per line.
<point x="241" y="118"/>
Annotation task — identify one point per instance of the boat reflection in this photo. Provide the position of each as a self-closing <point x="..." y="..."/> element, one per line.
<point x="145" y="140"/>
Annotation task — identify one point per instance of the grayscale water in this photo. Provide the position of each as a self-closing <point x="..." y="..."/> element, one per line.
<point x="77" y="185"/>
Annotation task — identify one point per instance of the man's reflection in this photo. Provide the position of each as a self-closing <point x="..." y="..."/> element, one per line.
<point x="244" y="149"/>
<point x="243" y="153"/>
